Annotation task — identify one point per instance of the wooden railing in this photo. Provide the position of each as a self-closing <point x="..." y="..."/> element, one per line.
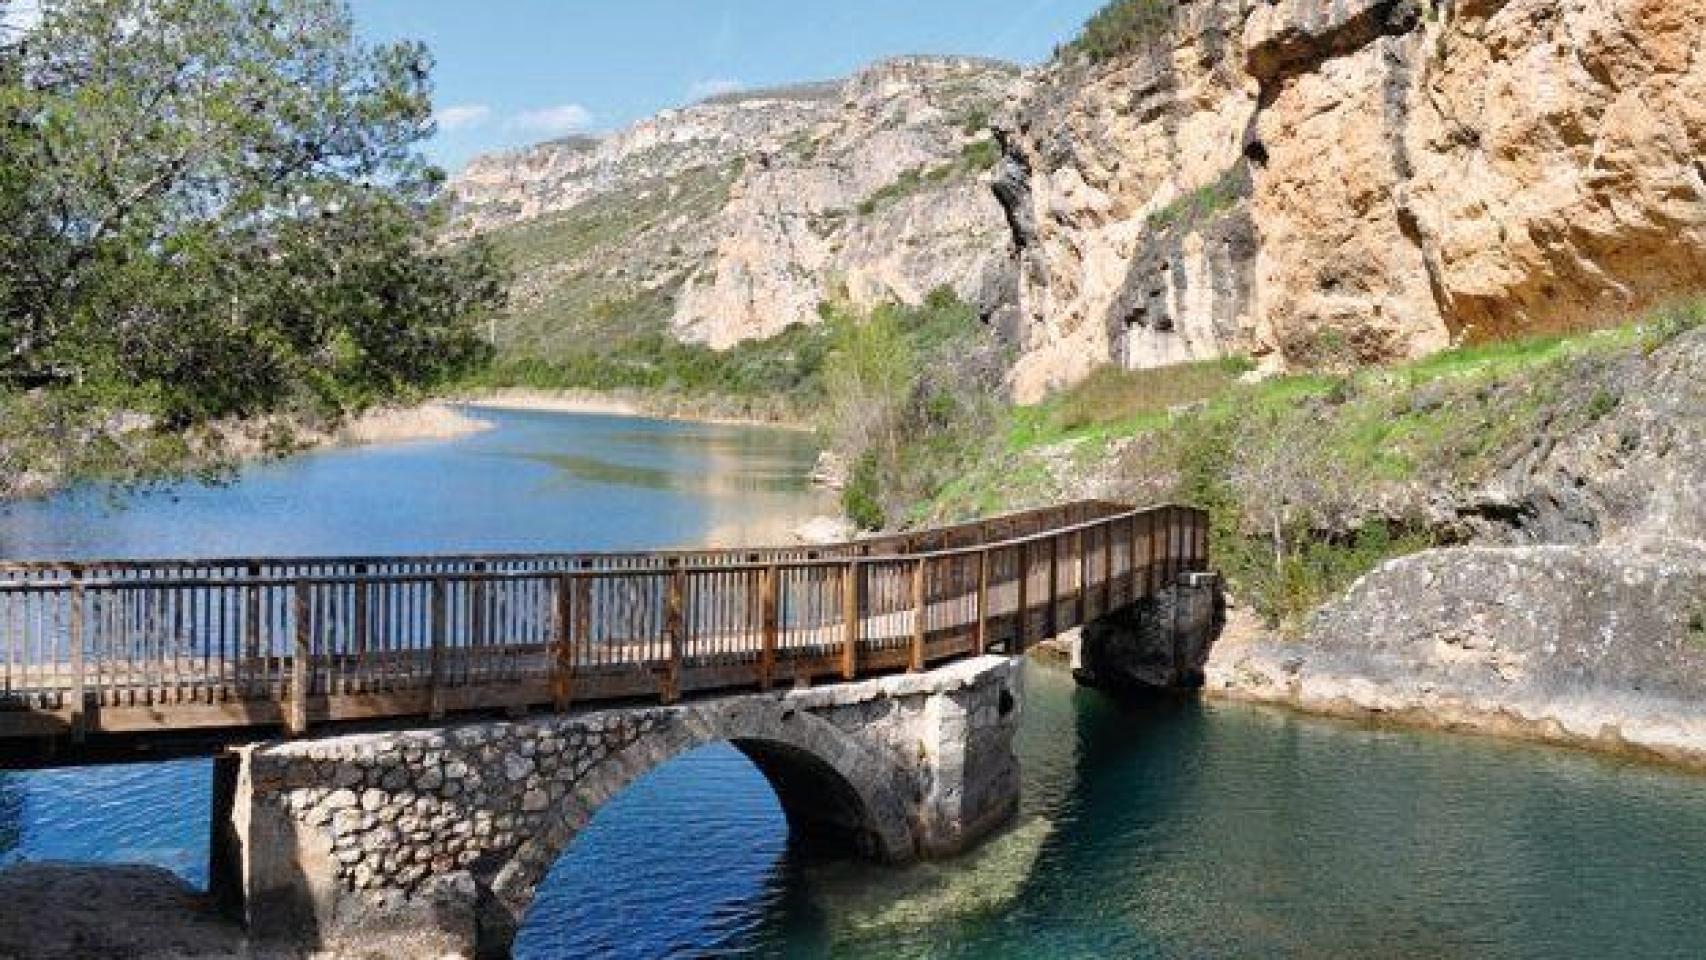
<point x="136" y="646"/>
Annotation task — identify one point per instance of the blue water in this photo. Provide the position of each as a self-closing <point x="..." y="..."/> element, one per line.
<point x="1178" y="830"/>
<point x="541" y="481"/>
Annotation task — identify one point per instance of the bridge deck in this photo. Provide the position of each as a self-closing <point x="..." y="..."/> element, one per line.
<point x="139" y="648"/>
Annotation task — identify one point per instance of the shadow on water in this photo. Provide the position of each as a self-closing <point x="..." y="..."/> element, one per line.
<point x="11" y="815"/>
<point x="596" y="470"/>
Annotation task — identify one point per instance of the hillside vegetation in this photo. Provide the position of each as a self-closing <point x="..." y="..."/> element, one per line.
<point x="1312" y="479"/>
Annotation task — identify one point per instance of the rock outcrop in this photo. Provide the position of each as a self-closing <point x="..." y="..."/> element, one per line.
<point x="1127" y="192"/>
<point x="1322" y="182"/>
<point x="1581" y="618"/>
<point x="1602" y="646"/>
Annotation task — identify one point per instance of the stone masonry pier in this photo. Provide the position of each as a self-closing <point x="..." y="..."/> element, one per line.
<point x="432" y="841"/>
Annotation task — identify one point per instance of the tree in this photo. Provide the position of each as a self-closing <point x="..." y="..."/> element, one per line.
<point x="218" y="208"/>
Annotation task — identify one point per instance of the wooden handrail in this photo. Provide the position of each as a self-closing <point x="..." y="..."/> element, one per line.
<point x="474" y="575"/>
<point x="280" y="643"/>
<point x="1041" y="516"/>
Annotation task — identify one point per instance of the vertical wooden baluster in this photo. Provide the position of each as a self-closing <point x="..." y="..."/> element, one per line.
<point x="771" y="620"/>
<point x="363" y="665"/>
<point x="580" y="638"/>
<point x="477" y="602"/>
<point x="920" y="610"/>
<point x="1107" y="568"/>
<point x="1023" y="627"/>
<point x="851" y="619"/>
<point x="563" y="660"/>
<point x="1083" y="602"/>
<point x="1151" y="566"/>
<point x="251" y="630"/>
<point x="1053" y="620"/>
<point x="980" y="642"/>
<point x="440" y="631"/>
<point x="1131" y="560"/>
<point x="78" y="691"/>
<point x="1173" y="541"/>
<point x="675" y="630"/>
<point x="299" y="664"/>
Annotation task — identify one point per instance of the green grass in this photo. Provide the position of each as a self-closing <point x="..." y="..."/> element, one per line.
<point x="1318" y="451"/>
<point x="1202" y="204"/>
<point x="1113" y="401"/>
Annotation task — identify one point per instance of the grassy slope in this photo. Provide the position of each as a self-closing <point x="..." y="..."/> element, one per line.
<point x="1344" y="466"/>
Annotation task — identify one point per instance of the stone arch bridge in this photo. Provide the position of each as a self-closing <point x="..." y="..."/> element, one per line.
<point x="433" y="841"/>
<point x="452" y="722"/>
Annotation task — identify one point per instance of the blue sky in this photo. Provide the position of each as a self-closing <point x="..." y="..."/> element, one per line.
<point x="513" y="72"/>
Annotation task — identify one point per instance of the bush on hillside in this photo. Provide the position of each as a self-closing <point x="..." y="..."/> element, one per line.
<point x="1124" y="27"/>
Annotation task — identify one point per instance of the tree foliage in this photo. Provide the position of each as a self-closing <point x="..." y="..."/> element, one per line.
<point x="217" y="208"/>
<point x="911" y="396"/>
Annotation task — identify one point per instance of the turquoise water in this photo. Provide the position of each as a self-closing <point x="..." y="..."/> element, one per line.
<point x="1172" y="830"/>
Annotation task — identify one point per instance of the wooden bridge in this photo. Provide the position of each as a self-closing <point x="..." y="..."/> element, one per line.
<point x="126" y="653"/>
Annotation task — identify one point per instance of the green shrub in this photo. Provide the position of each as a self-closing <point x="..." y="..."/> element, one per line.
<point x="1204" y="203"/>
<point x="861" y="499"/>
<point x="1124" y="27"/>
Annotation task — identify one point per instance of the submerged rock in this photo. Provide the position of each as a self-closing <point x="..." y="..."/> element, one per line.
<point x="59" y="911"/>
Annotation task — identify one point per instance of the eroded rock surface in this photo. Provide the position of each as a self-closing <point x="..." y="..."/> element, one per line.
<point x="1416" y="171"/>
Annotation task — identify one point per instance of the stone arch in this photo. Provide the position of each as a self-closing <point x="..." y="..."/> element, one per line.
<point x="431" y="841"/>
<point x="835" y="790"/>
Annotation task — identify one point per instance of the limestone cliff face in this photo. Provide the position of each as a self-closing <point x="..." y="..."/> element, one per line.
<point x="1127" y="188"/>
<point x="1322" y="181"/>
<point x="502" y="189"/>
<point x="871" y="190"/>
<point x="884" y="201"/>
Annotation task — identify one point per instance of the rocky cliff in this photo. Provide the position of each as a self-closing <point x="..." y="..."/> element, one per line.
<point x="736" y="217"/>
<point x="1311" y="182"/>
<point x="1330" y="181"/>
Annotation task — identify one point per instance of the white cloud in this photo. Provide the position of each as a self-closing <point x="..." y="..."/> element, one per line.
<point x="462" y="116"/>
<point x="552" y="121"/>
<point x="700" y="89"/>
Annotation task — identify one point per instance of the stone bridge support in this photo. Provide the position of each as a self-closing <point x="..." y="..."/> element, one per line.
<point x="1160" y="642"/>
<point x="433" y="841"/>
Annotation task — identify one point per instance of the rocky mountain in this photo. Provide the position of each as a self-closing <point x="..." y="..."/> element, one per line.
<point x="1323" y="181"/>
<point x="1310" y="182"/>
<point x="736" y="217"/>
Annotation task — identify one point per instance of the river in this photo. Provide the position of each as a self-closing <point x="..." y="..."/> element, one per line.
<point x="1169" y="830"/>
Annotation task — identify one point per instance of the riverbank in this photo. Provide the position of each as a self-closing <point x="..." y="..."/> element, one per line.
<point x="138" y="451"/>
<point x="1597" y="647"/>
<point x="1272" y="672"/>
<point x="732" y="413"/>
